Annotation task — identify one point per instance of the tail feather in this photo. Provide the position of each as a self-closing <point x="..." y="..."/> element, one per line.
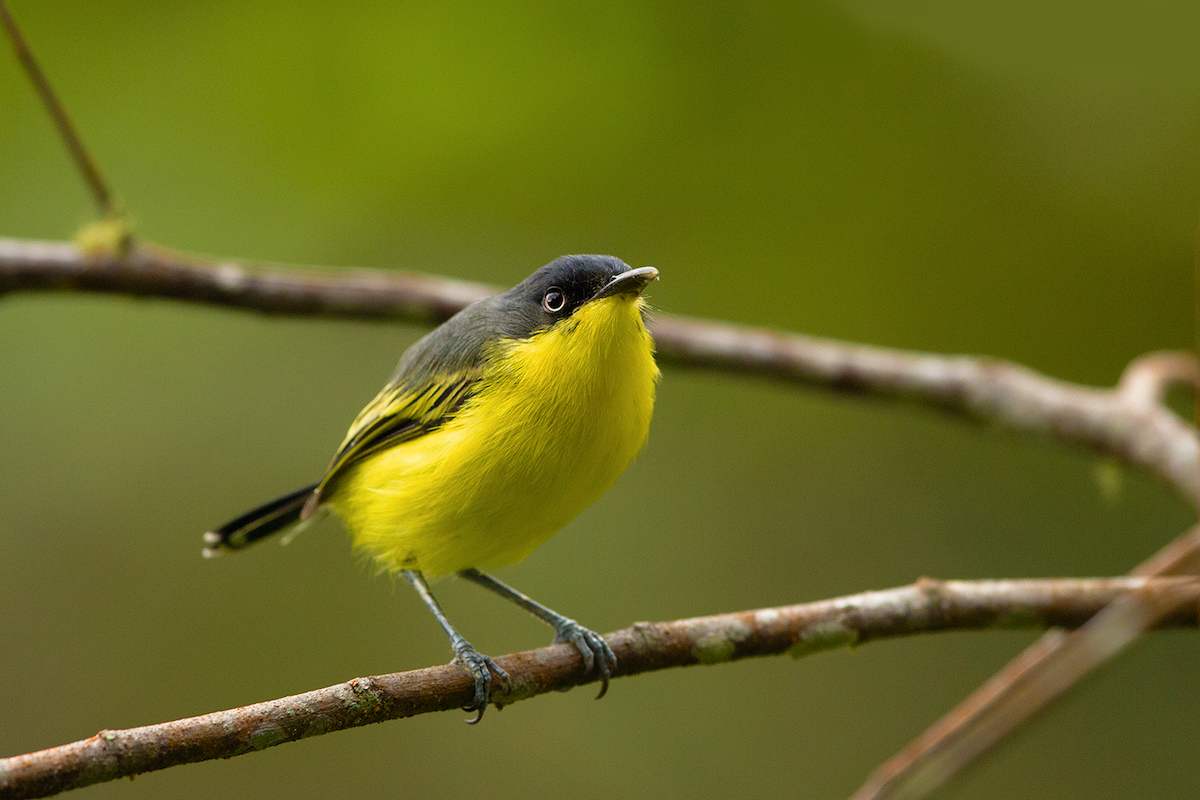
<point x="273" y="517"/>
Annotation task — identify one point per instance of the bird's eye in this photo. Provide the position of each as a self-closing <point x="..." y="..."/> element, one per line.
<point x="554" y="301"/>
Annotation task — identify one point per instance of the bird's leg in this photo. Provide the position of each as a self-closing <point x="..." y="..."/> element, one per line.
<point x="597" y="655"/>
<point x="480" y="666"/>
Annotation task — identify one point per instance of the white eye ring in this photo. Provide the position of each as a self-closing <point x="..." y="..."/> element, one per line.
<point x="555" y="300"/>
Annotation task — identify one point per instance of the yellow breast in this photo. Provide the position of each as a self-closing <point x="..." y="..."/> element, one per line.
<point x="557" y="419"/>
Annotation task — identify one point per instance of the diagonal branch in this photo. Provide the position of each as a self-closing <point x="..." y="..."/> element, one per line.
<point x="1028" y="684"/>
<point x="84" y="162"/>
<point x="924" y="607"/>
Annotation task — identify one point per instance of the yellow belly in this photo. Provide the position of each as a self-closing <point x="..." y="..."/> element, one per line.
<point x="558" y="419"/>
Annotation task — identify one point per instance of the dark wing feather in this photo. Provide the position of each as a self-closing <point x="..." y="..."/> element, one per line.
<point x="399" y="414"/>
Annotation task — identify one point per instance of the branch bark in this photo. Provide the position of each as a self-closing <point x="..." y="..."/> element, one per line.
<point x="924" y="607"/>
<point x="1121" y="422"/>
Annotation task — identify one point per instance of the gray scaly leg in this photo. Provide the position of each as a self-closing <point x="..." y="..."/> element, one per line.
<point x="597" y="655"/>
<point x="479" y="665"/>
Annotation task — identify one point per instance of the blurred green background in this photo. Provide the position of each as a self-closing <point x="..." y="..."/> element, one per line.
<point x="1017" y="179"/>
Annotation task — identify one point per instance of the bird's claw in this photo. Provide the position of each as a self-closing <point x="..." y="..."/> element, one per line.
<point x="481" y="668"/>
<point x="597" y="655"/>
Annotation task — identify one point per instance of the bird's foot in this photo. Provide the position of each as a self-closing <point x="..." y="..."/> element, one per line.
<point x="481" y="668"/>
<point x="597" y="655"/>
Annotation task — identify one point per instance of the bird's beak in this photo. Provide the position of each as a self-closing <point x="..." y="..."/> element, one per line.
<point x="631" y="282"/>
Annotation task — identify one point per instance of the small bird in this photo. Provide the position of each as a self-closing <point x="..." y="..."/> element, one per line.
<point x="497" y="429"/>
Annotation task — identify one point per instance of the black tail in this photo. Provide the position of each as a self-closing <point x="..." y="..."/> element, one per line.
<point x="277" y="515"/>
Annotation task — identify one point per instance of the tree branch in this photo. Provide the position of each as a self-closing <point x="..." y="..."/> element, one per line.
<point x="924" y="607"/>
<point x="1124" y="423"/>
<point x="151" y="271"/>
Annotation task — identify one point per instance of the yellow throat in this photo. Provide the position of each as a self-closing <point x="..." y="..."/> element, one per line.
<point x="558" y="417"/>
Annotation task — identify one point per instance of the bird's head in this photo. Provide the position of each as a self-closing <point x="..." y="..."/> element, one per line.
<point x="575" y="289"/>
<point x="576" y="308"/>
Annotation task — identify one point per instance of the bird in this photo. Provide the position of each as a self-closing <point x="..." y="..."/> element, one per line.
<point x="496" y="429"/>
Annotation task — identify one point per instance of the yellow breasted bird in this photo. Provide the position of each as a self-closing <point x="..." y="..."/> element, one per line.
<point x="497" y="428"/>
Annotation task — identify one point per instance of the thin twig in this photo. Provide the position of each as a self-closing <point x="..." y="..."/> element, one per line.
<point x="1148" y="377"/>
<point x="79" y="152"/>
<point x="924" y="607"/>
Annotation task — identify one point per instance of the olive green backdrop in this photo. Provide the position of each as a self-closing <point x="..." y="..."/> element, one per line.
<point x="1019" y="179"/>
